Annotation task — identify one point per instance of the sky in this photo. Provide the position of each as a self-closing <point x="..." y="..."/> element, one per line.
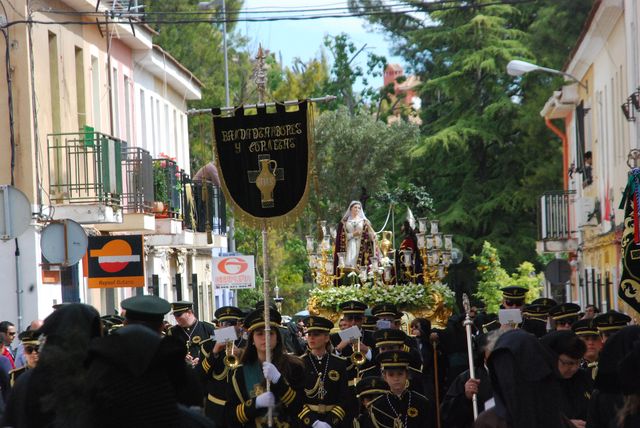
<point x="304" y="39"/>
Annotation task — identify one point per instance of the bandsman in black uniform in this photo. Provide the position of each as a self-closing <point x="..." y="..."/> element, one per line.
<point x="390" y="339"/>
<point x="610" y="322"/>
<point x="326" y="402"/>
<point x="586" y="330"/>
<point x="400" y="407"/>
<point x="388" y="312"/>
<point x="369" y="323"/>
<point x="31" y="346"/>
<point x="513" y="297"/>
<point x="247" y="400"/>
<point x="367" y="390"/>
<point x="564" y="315"/>
<point x="535" y="319"/>
<point x="147" y="310"/>
<point x="216" y="361"/>
<point x="353" y="315"/>
<point x="190" y="330"/>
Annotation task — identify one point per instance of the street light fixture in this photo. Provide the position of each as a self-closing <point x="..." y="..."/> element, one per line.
<point x="518" y="68"/>
<point x="206" y="5"/>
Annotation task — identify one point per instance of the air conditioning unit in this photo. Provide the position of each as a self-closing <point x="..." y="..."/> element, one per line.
<point x="586" y="212"/>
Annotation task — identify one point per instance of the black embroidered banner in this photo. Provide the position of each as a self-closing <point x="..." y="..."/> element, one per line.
<point x="629" y="289"/>
<point x="264" y="162"/>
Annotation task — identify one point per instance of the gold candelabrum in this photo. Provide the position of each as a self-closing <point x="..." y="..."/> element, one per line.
<point x="435" y="251"/>
<point x="407" y="259"/>
<point x="321" y="257"/>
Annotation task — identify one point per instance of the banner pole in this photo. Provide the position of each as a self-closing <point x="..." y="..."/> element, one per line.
<point x="260" y="77"/>
<point x="265" y="296"/>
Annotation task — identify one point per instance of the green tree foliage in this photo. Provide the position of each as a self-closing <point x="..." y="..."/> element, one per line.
<point x="493" y="277"/>
<point x="486" y="155"/>
<point x="344" y="74"/>
<point x="199" y="47"/>
<point x="356" y="154"/>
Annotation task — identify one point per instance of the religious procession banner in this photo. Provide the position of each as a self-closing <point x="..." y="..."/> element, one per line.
<point x="264" y="161"/>
<point x="629" y="289"/>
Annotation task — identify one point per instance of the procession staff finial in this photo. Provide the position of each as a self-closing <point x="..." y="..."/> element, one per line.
<point x="260" y="74"/>
<point x="465" y="303"/>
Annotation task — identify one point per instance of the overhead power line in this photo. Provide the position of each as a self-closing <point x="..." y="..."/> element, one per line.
<point x="243" y="16"/>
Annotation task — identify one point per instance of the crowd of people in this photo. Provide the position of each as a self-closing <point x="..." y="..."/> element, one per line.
<point x="559" y="367"/>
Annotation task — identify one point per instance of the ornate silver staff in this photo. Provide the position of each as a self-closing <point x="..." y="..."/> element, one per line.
<point x="472" y="370"/>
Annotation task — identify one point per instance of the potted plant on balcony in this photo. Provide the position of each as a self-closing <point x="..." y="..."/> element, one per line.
<point x="160" y="190"/>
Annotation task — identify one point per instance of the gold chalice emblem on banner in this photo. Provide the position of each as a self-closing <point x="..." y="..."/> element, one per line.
<point x="265" y="179"/>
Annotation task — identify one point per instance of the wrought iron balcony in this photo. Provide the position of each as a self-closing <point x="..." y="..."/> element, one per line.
<point x="204" y="207"/>
<point x="167" y="188"/>
<point x="84" y="168"/>
<point x="137" y="167"/>
<point x="553" y="215"/>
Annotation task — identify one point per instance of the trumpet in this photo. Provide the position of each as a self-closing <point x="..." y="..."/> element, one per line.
<point x="230" y="360"/>
<point x="358" y="358"/>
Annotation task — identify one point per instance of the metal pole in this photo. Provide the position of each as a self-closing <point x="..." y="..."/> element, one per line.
<point x="436" y="381"/>
<point x="224" y="47"/>
<point x="231" y="231"/>
<point x="472" y="369"/>
<point x="325" y="99"/>
<point x="260" y="77"/>
<point x="265" y="296"/>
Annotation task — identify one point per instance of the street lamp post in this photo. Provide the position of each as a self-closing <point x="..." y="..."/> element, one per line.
<point x="231" y="240"/>
<point x="209" y="5"/>
<point x="518" y="68"/>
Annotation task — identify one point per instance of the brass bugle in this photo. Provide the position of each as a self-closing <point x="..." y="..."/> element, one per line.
<point x="358" y="358"/>
<point x="230" y="360"/>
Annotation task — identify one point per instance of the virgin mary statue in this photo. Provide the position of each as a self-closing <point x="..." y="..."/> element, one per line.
<point x="355" y="237"/>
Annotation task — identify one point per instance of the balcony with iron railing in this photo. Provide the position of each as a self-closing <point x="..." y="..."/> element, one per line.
<point x="137" y="192"/>
<point x="193" y="211"/>
<point x="204" y="207"/>
<point x="554" y="221"/>
<point x="84" y="169"/>
<point x="167" y="189"/>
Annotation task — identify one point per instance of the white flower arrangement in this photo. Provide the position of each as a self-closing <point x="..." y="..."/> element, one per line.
<point x="402" y="295"/>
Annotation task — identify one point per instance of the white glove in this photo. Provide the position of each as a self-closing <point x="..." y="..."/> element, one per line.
<point x="270" y="372"/>
<point x="264" y="400"/>
<point x="320" y="424"/>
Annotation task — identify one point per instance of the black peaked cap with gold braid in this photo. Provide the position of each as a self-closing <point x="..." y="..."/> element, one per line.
<point x="371" y="385"/>
<point x="369" y="322"/>
<point x="255" y="319"/>
<point x="394" y="360"/>
<point x="514" y="292"/>
<point x="540" y="312"/>
<point x="353" y="307"/>
<point x="585" y="327"/>
<point x="228" y="313"/>
<point x="389" y="336"/>
<point x="385" y="309"/>
<point x="178" y="307"/>
<point x="545" y="301"/>
<point x="29" y="337"/>
<point x="611" y="321"/>
<point x="317" y="324"/>
<point x="564" y="311"/>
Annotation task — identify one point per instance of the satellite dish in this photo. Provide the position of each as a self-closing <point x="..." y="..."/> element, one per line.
<point x="456" y="256"/>
<point x="63" y="242"/>
<point x="15" y="212"/>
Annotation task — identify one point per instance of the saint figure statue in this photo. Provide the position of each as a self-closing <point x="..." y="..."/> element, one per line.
<point x="355" y="237"/>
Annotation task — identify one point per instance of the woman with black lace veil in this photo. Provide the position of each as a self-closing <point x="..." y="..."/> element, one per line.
<point x="50" y="394"/>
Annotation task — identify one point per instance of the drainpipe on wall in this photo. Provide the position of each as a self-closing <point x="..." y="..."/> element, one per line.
<point x="565" y="153"/>
<point x="565" y="181"/>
